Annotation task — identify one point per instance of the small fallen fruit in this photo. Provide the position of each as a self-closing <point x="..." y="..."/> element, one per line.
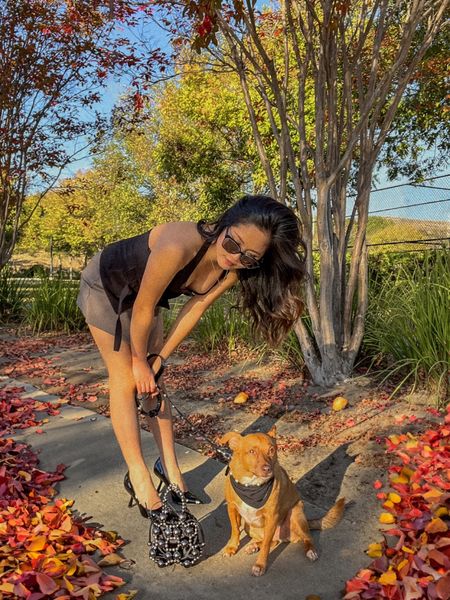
<point x="339" y="403"/>
<point x="312" y="597"/>
<point x="241" y="398"/>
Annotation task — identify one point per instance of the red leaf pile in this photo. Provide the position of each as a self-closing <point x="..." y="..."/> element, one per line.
<point x="19" y="413"/>
<point x="413" y="561"/>
<point x="23" y="349"/>
<point x="45" y="550"/>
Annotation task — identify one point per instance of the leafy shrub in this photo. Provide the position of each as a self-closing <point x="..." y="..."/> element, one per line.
<point x="33" y="271"/>
<point x="53" y="307"/>
<point x="12" y="296"/>
<point x="222" y="324"/>
<point x="385" y="266"/>
<point x="408" y="325"/>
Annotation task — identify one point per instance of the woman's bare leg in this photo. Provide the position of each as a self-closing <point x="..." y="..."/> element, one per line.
<point x="162" y="426"/>
<point x="124" y="415"/>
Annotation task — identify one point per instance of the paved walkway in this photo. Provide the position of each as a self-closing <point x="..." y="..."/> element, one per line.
<point x="83" y="440"/>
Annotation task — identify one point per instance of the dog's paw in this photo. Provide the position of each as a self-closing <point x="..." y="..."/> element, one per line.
<point x="258" y="570"/>
<point x="312" y="554"/>
<point x="230" y="550"/>
<point x="251" y="548"/>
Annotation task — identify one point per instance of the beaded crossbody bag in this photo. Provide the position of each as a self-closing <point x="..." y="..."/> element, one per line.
<point x="175" y="536"/>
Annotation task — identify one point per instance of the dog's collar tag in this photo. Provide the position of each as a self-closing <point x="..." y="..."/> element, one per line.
<point x="253" y="495"/>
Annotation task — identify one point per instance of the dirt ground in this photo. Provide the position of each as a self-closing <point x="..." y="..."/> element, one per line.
<point x="317" y="445"/>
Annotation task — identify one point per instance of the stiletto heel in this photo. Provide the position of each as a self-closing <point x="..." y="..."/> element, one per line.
<point x="145" y="512"/>
<point x="189" y="497"/>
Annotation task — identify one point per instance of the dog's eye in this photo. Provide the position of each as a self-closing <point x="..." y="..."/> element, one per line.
<point x="251" y="451"/>
<point x="271" y="451"/>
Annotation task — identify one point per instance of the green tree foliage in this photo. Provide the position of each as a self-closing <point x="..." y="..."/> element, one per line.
<point x="419" y="141"/>
<point x="193" y="143"/>
<point x="55" y="58"/>
<point x="188" y="157"/>
<point x="90" y="210"/>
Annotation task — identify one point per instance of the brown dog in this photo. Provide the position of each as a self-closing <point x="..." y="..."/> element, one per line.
<point x="260" y="495"/>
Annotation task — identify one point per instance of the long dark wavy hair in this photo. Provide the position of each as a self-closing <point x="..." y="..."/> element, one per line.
<point x="271" y="293"/>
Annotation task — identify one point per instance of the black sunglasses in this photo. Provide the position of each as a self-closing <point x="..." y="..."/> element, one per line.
<point x="230" y="245"/>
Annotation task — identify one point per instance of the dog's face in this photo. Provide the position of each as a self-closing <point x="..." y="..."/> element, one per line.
<point x="254" y="454"/>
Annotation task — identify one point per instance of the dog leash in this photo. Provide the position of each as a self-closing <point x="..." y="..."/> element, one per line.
<point x="223" y="451"/>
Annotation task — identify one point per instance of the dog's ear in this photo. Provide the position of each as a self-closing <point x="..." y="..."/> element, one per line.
<point x="232" y="438"/>
<point x="272" y="432"/>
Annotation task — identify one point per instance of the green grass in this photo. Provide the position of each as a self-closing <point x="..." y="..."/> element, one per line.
<point x="13" y="292"/>
<point x="408" y="326"/>
<point x="222" y="325"/>
<point x="52" y="307"/>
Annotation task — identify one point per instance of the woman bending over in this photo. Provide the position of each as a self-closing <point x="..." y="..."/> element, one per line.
<point x="255" y="244"/>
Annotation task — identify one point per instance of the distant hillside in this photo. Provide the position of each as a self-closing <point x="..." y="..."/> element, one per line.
<point x="384" y="230"/>
<point x="395" y="229"/>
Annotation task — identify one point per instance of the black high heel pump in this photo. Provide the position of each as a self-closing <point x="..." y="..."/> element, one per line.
<point x="145" y="512"/>
<point x="163" y="480"/>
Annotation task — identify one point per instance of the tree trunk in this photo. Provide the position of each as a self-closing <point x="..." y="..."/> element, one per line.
<point x="330" y="88"/>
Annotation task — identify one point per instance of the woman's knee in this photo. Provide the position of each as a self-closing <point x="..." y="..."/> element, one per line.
<point x="121" y="383"/>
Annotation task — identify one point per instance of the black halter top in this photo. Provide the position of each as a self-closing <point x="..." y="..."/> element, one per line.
<point x="122" y="266"/>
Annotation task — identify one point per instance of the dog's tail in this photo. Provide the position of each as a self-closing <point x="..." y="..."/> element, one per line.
<point x="332" y="518"/>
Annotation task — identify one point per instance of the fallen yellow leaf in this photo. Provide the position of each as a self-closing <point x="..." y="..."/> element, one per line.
<point x="129" y="596"/>
<point x="393" y="497"/>
<point x="394" y="439"/>
<point x="374" y="550"/>
<point x="339" y="403"/>
<point x="25" y="475"/>
<point x="432" y="494"/>
<point x="408" y="550"/>
<point x="388" y="578"/>
<point x="399" y="479"/>
<point x="441" y="511"/>
<point x="386" y="518"/>
<point x="37" y="544"/>
<point x="68" y="585"/>
<point x="402" y="564"/>
<point x="412" y="444"/>
<point x="436" y="526"/>
<point x="241" y="398"/>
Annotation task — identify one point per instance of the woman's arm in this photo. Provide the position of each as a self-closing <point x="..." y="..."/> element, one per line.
<point x="166" y="259"/>
<point x="191" y="313"/>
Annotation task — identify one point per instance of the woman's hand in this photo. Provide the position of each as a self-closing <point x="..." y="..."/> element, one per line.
<point x="144" y="377"/>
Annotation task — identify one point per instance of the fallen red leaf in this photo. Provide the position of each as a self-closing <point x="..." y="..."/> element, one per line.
<point x="418" y="564"/>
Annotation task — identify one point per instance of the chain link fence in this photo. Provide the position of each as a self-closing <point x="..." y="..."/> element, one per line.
<point x="410" y="216"/>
